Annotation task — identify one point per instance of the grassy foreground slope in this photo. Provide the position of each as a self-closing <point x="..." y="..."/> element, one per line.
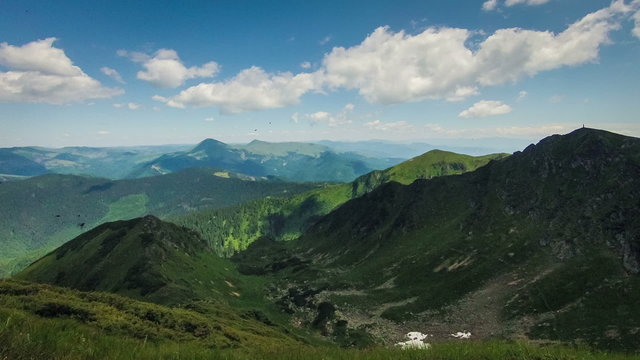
<point x="42" y="321"/>
<point x="40" y="213"/>
<point x="151" y="260"/>
<point x="543" y="244"/>
<point x="232" y="229"/>
<point x="46" y="322"/>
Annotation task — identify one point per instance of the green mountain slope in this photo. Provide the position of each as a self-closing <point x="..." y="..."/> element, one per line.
<point x="233" y="229"/>
<point x="143" y="258"/>
<point x="43" y="321"/>
<point x="46" y="322"/>
<point x="41" y="213"/>
<point x="292" y="161"/>
<point x="155" y="261"/>
<point x="542" y="244"/>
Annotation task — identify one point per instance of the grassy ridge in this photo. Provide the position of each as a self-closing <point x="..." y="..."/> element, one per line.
<point x="46" y="319"/>
<point x="25" y="335"/>
<point x="233" y="229"/>
<point x="541" y="244"/>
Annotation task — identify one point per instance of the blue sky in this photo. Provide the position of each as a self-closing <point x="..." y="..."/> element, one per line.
<point x="105" y="73"/>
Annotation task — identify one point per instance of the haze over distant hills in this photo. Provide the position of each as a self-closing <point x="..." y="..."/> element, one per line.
<point x="114" y="163"/>
<point x="407" y="150"/>
<point x="290" y="160"/>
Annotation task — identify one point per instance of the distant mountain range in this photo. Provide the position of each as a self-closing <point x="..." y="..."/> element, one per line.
<point x="391" y="149"/>
<point x="290" y="161"/>
<point x="113" y="163"/>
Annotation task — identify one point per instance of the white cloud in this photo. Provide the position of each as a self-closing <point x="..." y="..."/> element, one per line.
<point x="40" y="73"/>
<point x="395" y="67"/>
<point x="295" y="118"/>
<point x="130" y="106"/>
<point x="486" y="108"/>
<point x="166" y="70"/>
<point x="112" y="73"/>
<point x="636" y="29"/>
<point x="103" y="132"/>
<point x="390" y="126"/>
<point x="521" y="95"/>
<point x="489" y="5"/>
<point x="252" y="89"/>
<point x="211" y="118"/>
<point x="525" y="2"/>
<point x="305" y="65"/>
<point x="340" y="118"/>
<point x="325" y="40"/>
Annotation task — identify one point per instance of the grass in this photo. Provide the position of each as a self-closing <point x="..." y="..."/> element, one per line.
<point x="26" y="336"/>
<point x="127" y="207"/>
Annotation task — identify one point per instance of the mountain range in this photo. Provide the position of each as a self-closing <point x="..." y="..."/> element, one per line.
<point x="43" y="212"/>
<point x="540" y="245"/>
<point x="290" y="160"/>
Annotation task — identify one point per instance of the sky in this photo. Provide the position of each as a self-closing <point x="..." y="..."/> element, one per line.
<point x="113" y="73"/>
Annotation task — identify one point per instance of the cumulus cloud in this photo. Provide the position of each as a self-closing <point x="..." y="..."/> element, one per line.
<point x="525" y="2"/>
<point x="165" y="69"/>
<point x="130" y="106"/>
<point x="395" y="67"/>
<point x="489" y="5"/>
<point x="521" y="95"/>
<point x="388" y="126"/>
<point x="112" y="73"/>
<point x="41" y="73"/>
<point x="252" y="89"/>
<point x="486" y="108"/>
<point x="305" y="65"/>
<point x="636" y="29"/>
<point x="339" y="118"/>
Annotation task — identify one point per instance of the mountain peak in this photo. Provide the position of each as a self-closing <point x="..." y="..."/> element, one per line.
<point x="210" y="144"/>
<point x="139" y="256"/>
<point x="257" y="142"/>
